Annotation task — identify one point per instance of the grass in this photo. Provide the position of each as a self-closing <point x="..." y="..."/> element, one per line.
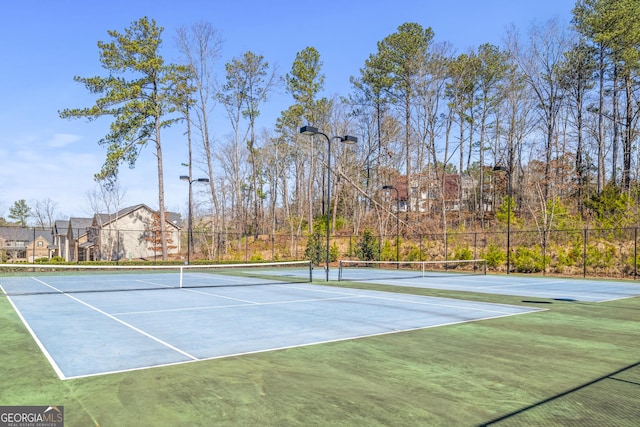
<point x="548" y="368"/>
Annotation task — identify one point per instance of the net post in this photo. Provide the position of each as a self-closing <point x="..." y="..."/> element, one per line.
<point x="310" y="271"/>
<point x="181" y="274"/>
<point x="339" y="270"/>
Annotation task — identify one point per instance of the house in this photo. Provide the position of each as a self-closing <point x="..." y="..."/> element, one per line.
<point x="132" y="232"/>
<point x="424" y="192"/>
<point x="77" y="237"/>
<point x="59" y="233"/>
<point x="25" y="244"/>
<point x="70" y="237"/>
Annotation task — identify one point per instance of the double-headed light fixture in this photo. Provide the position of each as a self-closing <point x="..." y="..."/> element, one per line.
<point x="310" y="130"/>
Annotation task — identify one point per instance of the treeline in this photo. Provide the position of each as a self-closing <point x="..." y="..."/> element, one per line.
<point x="550" y="118"/>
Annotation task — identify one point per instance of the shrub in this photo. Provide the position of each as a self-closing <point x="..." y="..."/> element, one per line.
<point x="333" y="252"/>
<point x="367" y="247"/>
<point x="568" y="256"/>
<point x="315" y="248"/>
<point x="494" y="256"/>
<point x="462" y="253"/>
<point x="414" y="254"/>
<point x="528" y="260"/>
<point x="388" y="253"/>
<point x="601" y="256"/>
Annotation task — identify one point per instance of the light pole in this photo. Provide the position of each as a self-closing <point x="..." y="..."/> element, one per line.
<point x="190" y="214"/>
<point x="391" y="187"/>
<point x="310" y="130"/>
<point x="509" y="197"/>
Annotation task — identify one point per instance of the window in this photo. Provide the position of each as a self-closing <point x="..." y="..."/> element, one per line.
<point x="40" y="243"/>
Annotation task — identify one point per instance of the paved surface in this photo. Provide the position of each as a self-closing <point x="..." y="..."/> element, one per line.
<point x="536" y="287"/>
<point x="87" y="334"/>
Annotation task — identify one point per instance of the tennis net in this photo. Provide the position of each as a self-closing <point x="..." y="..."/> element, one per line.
<point x="352" y="270"/>
<point x="26" y="279"/>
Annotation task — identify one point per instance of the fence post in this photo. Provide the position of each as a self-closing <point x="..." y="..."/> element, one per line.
<point x="475" y="245"/>
<point x="635" y="253"/>
<point x="584" y="254"/>
<point x="544" y="252"/>
<point x="446" y="246"/>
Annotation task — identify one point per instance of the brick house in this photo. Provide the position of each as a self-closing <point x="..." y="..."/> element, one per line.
<point x="25" y="244"/>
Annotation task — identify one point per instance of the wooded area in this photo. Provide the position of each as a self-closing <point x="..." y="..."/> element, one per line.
<point x="539" y="133"/>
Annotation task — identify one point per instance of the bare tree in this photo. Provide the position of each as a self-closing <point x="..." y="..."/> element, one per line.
<point x="105" y="201"/>
<point x="540" y="65"/>
<point x="44" y="211"/>
<point x="200" y="47"/>
<point x="249" y="81"/>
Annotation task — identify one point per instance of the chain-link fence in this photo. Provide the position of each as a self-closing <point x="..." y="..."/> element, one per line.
<point x="587" y="252"/>
<point x="579" y="252"/>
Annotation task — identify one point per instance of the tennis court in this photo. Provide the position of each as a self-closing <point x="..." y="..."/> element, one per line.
<point x="474" y="280"/>
<point x="85" y="333"/>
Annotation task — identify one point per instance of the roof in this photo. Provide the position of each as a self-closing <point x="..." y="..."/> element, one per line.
<point x="25" y="234"/>
<point x="104" y="219"/>
<point x="76" y="223"/>
<point x="60" y="227"/>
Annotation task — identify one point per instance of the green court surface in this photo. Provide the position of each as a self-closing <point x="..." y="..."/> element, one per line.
<point x="576" y="363"/>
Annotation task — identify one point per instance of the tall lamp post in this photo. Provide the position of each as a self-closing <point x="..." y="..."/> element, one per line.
<point x="391" y="187"/>
<point x="310" y="130"/>
<point x="509" y="197"/>
<point x="190" y="214"/>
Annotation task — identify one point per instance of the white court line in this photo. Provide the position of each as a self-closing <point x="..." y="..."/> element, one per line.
<point x="250" y="304"/>
<point x="344" y="294"/>
<point x="140" y="331"/>
<point x="48" y="356"/>
<point x="468" y="306"/>
<point x="408" y="295"/>
<point x="159" y="285"/>
<point x="220" y="296"/>
<point x="478" y="287"/>
<point x="489" y="277"/>
<point x="395" y="331"/>
<point x="516" y="285"/>
<point x="217" y="276"/>
<point x="576" y="293"/>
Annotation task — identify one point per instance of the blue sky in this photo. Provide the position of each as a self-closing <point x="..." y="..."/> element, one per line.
<point x="46" y="43"/>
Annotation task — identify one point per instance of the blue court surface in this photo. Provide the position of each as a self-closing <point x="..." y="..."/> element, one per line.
<point x="93" y="333"/>
<point x="535" y="287"/>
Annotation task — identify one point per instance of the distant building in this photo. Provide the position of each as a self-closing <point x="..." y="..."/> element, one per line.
<point x="131" y="233"/>
<point x="453" y="192"/>
<point x="25" y="244"/>
<point x="424" y="193"/>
